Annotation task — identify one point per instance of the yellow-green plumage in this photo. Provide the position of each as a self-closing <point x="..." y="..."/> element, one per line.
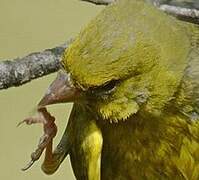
<point x="138" y="68"/>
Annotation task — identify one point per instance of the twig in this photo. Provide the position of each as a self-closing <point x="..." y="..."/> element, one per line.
<point x="190" y="15"/>
<point x="22" y="70"/>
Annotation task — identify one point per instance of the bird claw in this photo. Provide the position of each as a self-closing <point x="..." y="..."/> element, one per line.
<point x="50" y="130"/>
<point x="27" y="121"/>
<point x="34" y="157"/>
<point x="34" y="120"/>
<point x="28" y="165"/>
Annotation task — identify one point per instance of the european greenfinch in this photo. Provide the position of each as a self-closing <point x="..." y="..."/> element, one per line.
<point x="133" y="75"/>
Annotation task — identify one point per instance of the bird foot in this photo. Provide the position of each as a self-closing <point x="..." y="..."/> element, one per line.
<point x="50" y="130"/>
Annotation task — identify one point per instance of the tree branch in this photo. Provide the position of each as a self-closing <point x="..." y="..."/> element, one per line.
<point x="22" y="70"/>
<point x="186" y="14"/>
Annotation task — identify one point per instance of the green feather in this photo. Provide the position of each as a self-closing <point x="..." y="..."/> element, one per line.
<point x="152" y="61"/>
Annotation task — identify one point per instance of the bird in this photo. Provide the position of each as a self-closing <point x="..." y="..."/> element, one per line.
<point x="133" y="76"/>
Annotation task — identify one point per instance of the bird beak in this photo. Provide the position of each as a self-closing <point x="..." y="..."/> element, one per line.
<point x="60" y="91"/>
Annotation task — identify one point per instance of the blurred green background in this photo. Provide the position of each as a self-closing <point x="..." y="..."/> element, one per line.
<point x="27" y="26"/>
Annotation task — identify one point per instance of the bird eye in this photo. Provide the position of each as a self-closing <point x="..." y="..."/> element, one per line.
<point x="110" y="86"/>
<point x="105" y="89"/>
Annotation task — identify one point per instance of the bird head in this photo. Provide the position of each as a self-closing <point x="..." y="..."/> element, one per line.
<point x="122" y="63"/>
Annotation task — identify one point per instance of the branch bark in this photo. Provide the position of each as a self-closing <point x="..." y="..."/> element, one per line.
<point x="22" y="70"/>
<point x="186" y="14"/>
